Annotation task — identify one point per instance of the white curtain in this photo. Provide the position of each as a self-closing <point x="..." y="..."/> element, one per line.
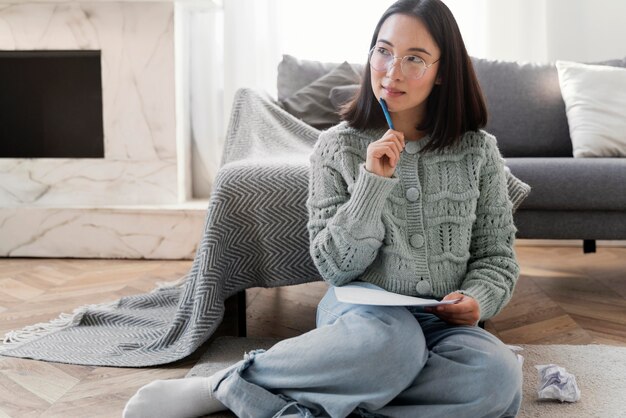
<point x="221" y="47"/>
<point x="206" y="96"/>
<point x="329" y="30"/>
<point x="251" y="46"/>
<point x="511" y="30"/>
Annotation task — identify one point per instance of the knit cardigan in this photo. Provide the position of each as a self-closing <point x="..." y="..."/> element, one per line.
<point x="442" y="223"/>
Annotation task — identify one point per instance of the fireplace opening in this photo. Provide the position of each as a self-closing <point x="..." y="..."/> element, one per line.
<point x="51" y="104"/>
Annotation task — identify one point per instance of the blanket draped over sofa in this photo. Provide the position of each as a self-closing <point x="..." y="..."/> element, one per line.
<point x="255" y="235"/>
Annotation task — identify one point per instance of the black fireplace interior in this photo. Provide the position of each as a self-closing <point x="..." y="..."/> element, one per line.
<point x="51" y="104"/>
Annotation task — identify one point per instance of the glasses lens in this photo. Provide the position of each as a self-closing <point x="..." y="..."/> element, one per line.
<point x="413" y="67"/>
<point x="382" y="60"/>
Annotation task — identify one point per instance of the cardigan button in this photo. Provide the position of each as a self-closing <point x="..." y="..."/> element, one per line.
<point x="413" y="194"/>
<point x="417" y="240"/>
<point x="411" y="147"/>
<point x="423" y="287"/>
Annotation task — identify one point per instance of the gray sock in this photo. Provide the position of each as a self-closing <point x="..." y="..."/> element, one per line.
<point x="175" y="398"/>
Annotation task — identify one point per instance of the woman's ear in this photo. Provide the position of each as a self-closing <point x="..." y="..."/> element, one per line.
<point x="438" y="80"/>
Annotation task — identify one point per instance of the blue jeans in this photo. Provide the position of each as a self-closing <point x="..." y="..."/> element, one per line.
<point x="376" y="361"/>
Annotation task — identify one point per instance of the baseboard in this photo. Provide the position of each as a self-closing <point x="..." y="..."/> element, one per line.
<point x="566" y="243"/>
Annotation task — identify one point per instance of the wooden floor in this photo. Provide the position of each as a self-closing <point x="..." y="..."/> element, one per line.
<point x="563" y="297"/>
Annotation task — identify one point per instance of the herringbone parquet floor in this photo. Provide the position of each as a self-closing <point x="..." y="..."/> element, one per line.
<point x="563" y="297"/>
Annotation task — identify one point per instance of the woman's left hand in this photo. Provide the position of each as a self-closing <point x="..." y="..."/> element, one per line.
<point x="464" y="312"/>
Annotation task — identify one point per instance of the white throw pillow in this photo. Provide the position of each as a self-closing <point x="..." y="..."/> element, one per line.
<point x="595" y="103"/>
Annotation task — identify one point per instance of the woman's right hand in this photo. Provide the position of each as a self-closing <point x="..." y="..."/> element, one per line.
<point x="383" y="155"/>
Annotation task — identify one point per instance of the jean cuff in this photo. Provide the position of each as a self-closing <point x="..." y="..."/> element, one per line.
<point x="248" y="400"/>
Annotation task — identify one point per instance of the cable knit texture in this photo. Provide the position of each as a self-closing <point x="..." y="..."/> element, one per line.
<point x="442" y="223"/>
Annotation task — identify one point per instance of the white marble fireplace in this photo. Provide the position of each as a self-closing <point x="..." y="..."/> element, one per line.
<point x="133" y="203"/>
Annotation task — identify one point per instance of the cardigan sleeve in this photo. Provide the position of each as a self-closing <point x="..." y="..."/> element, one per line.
<point x="492" y="267"/>
<point x="345" y="207"/>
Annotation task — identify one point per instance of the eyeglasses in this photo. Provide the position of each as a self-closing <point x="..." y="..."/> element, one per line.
<point x="412" y="66"/>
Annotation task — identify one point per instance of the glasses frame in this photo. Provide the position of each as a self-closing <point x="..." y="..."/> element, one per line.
<point x="392" y="63"/>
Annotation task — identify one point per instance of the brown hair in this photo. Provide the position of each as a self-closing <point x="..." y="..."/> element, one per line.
<point x="453" y="107"/>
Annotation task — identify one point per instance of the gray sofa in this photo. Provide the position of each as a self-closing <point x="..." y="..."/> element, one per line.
<point x="571" y="198"/>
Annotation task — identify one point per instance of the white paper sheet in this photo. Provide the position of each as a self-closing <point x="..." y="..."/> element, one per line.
<point x="363" y="296"/>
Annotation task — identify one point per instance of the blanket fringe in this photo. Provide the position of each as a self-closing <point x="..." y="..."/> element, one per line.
<point x="16" y="338"/>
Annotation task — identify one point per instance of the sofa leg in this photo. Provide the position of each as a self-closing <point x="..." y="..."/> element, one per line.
<point x="589" y="246"/>
<point x="242" y="330"/>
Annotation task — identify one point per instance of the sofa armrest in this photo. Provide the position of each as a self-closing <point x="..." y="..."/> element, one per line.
<point x="517" y="189"/>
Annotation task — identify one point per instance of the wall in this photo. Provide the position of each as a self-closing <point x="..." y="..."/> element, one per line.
<point x="586" y="30"/>
<point x="542" y="30"/>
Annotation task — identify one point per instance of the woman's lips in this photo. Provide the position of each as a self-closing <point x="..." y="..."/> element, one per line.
<point x="391" y="92"/>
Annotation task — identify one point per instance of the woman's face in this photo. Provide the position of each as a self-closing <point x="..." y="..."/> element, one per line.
<point x="403" y="35"/>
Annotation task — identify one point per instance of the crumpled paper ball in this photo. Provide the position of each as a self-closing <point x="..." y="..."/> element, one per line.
<point x="557" y="383"/>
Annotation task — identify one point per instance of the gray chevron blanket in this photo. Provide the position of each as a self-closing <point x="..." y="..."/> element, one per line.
<point x="255" y="235"/>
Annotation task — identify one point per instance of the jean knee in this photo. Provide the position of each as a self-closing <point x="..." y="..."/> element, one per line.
<point x="503" y="376"/>
<point x="394" y="345"/>
<point x="495" y="368"/>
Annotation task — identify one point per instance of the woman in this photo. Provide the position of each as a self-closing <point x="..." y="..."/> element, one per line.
<point x="420" y="209"/>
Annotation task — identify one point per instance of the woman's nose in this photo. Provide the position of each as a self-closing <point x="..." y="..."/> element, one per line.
<point x="394" y="68"/>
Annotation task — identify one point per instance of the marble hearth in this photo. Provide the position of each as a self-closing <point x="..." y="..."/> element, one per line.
<point x="133" y="203"/>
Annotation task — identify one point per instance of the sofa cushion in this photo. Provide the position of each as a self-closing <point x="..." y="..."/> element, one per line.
<point x="572" y="183"/>
<point x="526" y="109"/>
<point x="341" y="95"/>
<point x="312" y="103"/>
<point x="595" y="103"/>
<point x="294" y="74"/>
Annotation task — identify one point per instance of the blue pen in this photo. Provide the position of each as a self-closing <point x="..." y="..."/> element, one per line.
<point x="386" y="112"/>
